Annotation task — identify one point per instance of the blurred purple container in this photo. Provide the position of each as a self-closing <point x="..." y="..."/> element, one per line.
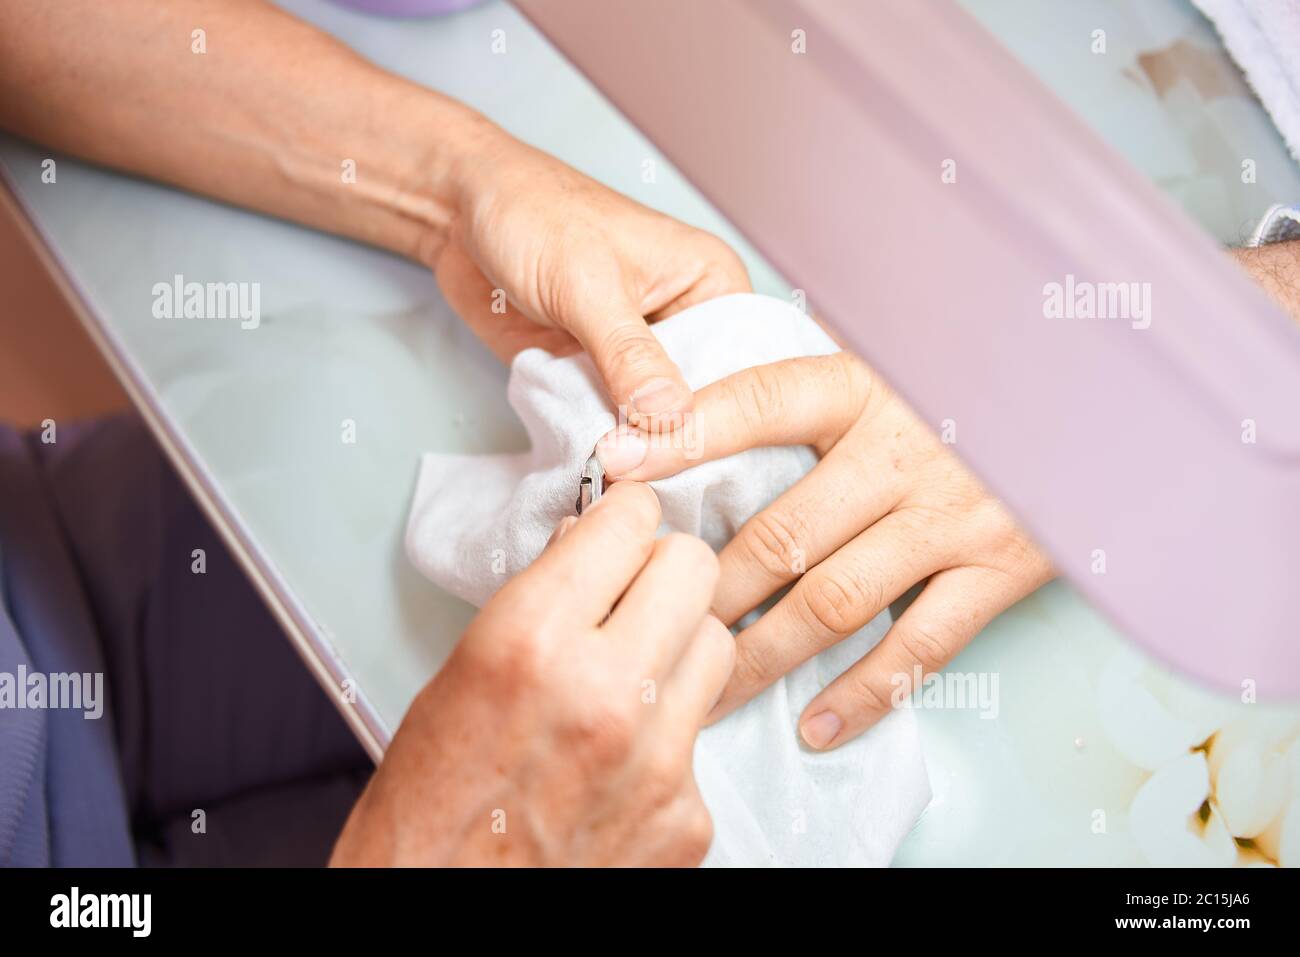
<point x="408" y="8"/>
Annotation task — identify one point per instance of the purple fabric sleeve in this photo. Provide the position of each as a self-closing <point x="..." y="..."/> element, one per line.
<point x="210" y="708"/>
<point x="24" y="819"/>
<point x="62" y="760"/>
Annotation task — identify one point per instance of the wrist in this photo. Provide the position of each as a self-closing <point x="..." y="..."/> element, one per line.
<point x="431" y="798"/>
<point x="456" y="166"/>
<point x="414" y="153"/>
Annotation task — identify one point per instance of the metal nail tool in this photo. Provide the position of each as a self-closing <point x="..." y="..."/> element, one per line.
<point x="591" y="484"/>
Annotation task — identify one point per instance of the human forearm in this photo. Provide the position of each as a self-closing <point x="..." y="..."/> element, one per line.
<point x="272" y="113"/>
<point x="267" y="117"/>
<point x="1276" y="268"/>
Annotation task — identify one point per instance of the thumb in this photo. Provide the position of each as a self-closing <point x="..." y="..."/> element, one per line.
<point x="634" y="367"/>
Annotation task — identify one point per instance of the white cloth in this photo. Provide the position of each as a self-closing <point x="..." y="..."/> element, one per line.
<point x="772" y="801"/>
<point x="1263" y="36"/>
<point x="1280" y="224"/>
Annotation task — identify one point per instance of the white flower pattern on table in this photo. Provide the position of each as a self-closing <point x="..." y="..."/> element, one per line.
<point x="1223" y="787"/>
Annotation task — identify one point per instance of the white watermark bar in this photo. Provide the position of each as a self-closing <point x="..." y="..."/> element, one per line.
<point x="179" y="299"/>
<point x="1080" y="299"/>
<point x="58" y="691"/>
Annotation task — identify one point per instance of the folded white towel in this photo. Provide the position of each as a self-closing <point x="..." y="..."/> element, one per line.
<point x="772" y="801"/>
<point x="1263" y="36"/>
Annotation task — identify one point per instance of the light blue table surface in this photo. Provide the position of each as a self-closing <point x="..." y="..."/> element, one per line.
<point x="348" y="333"/>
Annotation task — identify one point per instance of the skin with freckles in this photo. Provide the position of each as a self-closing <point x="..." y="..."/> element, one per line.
<point x="559" y="733"/>
<point x="886" y="507"/>
<point x="540" y="742"/>
<point x="582" y="267"/>
<point x="267" y="117"/>
<point x="539" y="714"/>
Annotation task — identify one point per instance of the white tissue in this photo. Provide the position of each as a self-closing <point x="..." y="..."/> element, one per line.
<point x="772" y="801"/>
<point x="1262" y="35"/>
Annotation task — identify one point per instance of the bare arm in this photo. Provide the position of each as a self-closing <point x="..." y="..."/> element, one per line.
<point x="264" y="118"/>
<point x="1276" y="268"/>
<point x="270" y="113"/>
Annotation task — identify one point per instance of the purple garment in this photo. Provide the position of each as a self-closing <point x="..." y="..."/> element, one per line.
<point x="62" y="802"/>
<point x="24" y="817"/>
<point x="209" y="707"/>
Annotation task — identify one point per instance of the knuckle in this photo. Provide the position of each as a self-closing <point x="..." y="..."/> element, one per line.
<point x="869" y="393"/>
<point x="725" y="271"/>
<point x="866" y="693"/>
<point x="753" y="667"/>
<point x="1016" y="547"/>
<point x="697" y="834"/>
<point x="850" y="377"/>
<point x="758" y="396"/>
<point x="1015" y="552"/>
<point x="772" y="539"/>
<point x="766" y="388"/>
<point x="601" y="733"/>
<point x="628" y="347"/>
<point x="512" y="656"/>
<point x="987" y="523"/>
<point x="840" y="600"/>
<point x="842" y="375"/>
<point x="736" y="269"/>
<point x="714" y="632"/>
<point x="929" y="646"/>
<point x="662" y="775"/>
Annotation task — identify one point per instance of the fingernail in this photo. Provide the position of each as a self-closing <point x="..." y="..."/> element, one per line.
<point x="820" y="730"/>
<point x="620" y="451"/>
<point x="657" y="395"/>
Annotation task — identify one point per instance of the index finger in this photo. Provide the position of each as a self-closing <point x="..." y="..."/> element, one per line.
<point x="806" y="401"/>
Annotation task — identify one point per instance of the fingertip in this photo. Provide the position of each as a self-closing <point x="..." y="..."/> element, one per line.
<point x="621" y="451"/>
<point x="821" y="728"/>
<point x="636" y="497"/>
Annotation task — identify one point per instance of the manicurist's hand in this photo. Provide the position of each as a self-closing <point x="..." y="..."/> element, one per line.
<point x="555" y="735"/>
<point x="886" y="507"/>
<point x="325" y="138"/>
<point x="579" y="265"/>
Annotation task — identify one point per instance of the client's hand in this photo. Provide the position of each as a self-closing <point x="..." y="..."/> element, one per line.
<point x="886" y="507"/>
<point x="579" y="265"/>
<point x="554" y="736"/>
